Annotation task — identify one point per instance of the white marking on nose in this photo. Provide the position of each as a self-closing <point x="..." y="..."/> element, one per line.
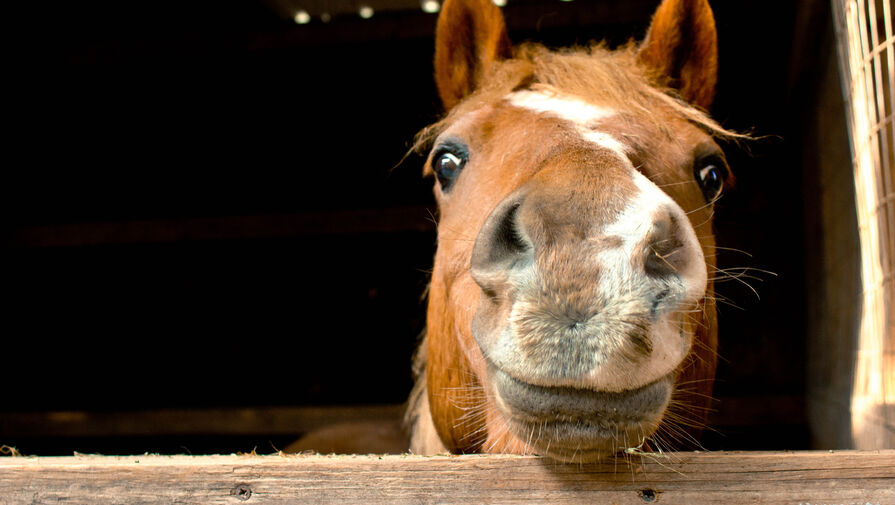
<point x="584" y="115"/>
<point x="621" y="272"/>
<point x="634" y="224"/>
<point x="605" y="140"/>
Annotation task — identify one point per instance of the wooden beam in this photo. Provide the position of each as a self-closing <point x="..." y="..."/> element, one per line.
<point x="414" y="24"/>
<point x="732" y="478"/>
<point x="731" y="412"/>
<point x="173" y="422"/>
<point x="418" y="219"/>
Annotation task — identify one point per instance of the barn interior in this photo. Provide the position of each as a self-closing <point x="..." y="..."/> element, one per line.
<point x="213" y="214"/>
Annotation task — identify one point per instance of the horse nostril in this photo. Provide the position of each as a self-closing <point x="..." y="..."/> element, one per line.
<point x="507" y="239"/>
<point x="500" y="243"/>
<point x="664" y="247"/>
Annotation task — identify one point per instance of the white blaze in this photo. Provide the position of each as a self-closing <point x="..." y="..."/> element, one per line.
<point x="614" y="371"/>
<point x="583" y="115"/>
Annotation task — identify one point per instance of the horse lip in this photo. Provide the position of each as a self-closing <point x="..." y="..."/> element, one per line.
<point x="530" y="403"/>
<point x="578" y="425"/>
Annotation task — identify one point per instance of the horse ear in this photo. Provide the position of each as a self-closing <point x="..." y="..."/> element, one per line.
<point x="681" y="49"/>
<point x="470" y="36"/>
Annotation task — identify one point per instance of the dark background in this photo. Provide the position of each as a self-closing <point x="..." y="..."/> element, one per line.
<point x="152" y="115"/>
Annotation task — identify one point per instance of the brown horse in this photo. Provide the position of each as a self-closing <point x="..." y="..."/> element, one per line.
<point x="571" y="313"/>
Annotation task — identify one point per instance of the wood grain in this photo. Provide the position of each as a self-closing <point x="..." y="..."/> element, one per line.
<point x="847" y="477"/>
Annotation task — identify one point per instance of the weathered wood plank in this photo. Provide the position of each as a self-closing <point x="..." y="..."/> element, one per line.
<point x="847" y="477"/>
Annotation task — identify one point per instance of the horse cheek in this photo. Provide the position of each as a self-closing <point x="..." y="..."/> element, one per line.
<point x="452" y="387"/>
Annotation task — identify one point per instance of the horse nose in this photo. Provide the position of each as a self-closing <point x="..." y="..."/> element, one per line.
<point x="664" y="246"/>
<point x="501" y="246"/>
<point x="527" y="223"/>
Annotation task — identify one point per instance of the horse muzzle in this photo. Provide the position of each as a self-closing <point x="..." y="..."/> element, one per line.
<point x="583" y="313"/>
<point x="579" y="425"/>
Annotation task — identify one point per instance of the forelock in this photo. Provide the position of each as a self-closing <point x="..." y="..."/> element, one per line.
<point x="610" y="78"/>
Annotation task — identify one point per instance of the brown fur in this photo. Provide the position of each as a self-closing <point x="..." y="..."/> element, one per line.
<point x="469" y="41"/>
<point x="474" y="72"/>
<point x="681" y="49"/>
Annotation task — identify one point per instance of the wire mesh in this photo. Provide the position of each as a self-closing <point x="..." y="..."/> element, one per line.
<point x="866" y="48"/>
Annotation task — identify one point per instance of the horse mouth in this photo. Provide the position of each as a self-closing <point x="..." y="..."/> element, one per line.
<point x="579" y="425"/>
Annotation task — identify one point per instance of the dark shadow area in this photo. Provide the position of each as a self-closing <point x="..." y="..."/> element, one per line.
<point x="162" y="113"/>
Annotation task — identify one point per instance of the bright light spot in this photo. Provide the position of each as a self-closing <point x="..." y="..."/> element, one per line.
<point x="365" y="11"/>
<point x="326" y="17"/>
<point x="499" y="3"/>
<point x="565" y="0"/>
<point x="302" y="17"/>
<point x="431" y="6"/>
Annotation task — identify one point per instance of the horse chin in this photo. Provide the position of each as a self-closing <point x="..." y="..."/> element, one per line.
<point x="579" y="425"/>
<point x="581" y="441"/>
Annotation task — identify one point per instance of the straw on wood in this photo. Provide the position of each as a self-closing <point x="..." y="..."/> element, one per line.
<point x="784" y="478"/>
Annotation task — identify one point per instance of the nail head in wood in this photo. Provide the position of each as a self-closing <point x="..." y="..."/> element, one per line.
<point x="242" y="491"/>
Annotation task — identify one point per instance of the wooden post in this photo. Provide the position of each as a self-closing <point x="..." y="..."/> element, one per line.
<point x="790" y="478"/>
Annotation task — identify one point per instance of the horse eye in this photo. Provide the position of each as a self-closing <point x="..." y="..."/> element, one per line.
<point x="447" y="166"/>
<point x="710" y="175"/>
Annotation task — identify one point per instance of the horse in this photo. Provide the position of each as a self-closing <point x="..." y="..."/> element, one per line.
<point x="571" y="310"/>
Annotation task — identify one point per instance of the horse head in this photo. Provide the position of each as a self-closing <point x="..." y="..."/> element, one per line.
<point x="571" y="308"/>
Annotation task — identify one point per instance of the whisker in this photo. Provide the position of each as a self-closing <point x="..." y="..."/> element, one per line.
<point x="731" y="249"/>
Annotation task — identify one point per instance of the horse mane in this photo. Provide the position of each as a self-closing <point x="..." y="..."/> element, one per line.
<point x="617" y="81"/>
